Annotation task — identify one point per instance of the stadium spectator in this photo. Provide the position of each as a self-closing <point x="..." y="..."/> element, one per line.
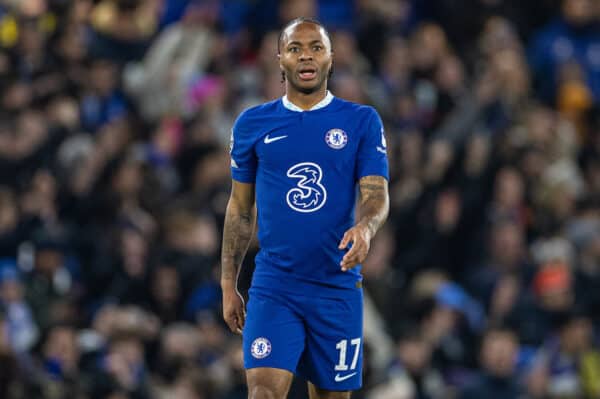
<point x="499" y="350"/>
<point x="570" y="38"/>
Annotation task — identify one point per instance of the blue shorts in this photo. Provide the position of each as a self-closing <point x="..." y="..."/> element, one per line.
<point x="319" y="339"/>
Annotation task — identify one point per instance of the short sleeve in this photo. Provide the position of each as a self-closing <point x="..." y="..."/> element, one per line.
<point x="241" y="148"/>
<point x="372" y="151"/>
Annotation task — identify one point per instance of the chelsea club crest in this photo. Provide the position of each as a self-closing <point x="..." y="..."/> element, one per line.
<point x="261" y="348"/>
<point x="336" y="138"/>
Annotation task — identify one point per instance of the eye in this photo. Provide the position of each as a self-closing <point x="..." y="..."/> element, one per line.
<point x="294" y="49"/>
<point x="317" y="47"/>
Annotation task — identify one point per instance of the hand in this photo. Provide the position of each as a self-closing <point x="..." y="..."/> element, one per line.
<point x="360" y="237"/>
<point x="234" y="310"/>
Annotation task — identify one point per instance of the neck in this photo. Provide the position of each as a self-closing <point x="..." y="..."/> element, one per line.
<point x="306" y="100"/>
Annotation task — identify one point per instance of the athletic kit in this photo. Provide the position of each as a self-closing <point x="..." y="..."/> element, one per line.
<point x="304" y="314"/>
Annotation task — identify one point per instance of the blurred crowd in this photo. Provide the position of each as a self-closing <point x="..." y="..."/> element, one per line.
<point x="115" y="118"/>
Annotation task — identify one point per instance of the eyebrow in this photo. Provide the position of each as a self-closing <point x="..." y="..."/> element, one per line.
<point x="298" y="43"/>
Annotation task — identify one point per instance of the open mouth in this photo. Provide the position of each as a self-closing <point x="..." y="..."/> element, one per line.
<point x="307" y="73"/>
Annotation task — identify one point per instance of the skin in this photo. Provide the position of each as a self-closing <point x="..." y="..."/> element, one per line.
<point x="373" y="211"/>
<point x="303" y="45"/>
<point x="240" y="219"/>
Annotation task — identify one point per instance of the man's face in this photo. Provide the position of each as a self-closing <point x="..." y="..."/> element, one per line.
<point x="578" y="12"/>
<point x="305" y="57"/>
<point x="499" y="353"/>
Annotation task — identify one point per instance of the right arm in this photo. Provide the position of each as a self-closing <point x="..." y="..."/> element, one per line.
<point x="240" y="218"/>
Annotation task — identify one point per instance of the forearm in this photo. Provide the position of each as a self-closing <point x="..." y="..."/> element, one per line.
<point x="374" y="204"/>
<point x="237" y="233"/>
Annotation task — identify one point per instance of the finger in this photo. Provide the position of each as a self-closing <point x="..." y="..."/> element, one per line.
<point x="238" y="328"/>
<point x="345" y="240"/>
<point x="351" y="259"/>
<point x="361" y="255"/>
<point x="348" y="266"/>
<point x="354" y="262"/>
<point x="242" y="312"/>
<point x="348" y="259"/>
<point x="348" y="263"/>
<point x="232" y="323"/>
<point x="241" y="319"/>
<point x="357" y="247"/>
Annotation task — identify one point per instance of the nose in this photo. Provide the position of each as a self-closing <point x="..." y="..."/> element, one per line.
<point x="306" y="55"/>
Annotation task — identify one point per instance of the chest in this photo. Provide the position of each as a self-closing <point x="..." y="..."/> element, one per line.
<point x="303" y="137"/>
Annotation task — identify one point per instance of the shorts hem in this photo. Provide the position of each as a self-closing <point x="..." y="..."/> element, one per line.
<point x="270" y="366"/>
<point x="336" y="388"/>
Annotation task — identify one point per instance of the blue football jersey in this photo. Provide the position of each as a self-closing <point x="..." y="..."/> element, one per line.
<point x="305" y="166"/>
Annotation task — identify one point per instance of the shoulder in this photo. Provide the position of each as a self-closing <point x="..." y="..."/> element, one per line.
<point x="361" y="111"/>
<point x="252" y="117"/>
<point x="260" y="110"/>
<point x="354" y="107"/>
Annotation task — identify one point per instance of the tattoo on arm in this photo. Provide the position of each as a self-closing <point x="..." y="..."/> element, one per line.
<point x="237" y="233"/>
<point x="374" y="202"/>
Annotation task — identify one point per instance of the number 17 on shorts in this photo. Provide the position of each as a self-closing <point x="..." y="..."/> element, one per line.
<point x="344" y="370"/>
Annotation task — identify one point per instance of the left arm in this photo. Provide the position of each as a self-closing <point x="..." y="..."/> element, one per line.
<point x="373" y="210"/>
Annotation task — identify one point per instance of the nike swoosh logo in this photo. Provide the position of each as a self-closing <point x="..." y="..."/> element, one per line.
<point x="269" y="140"/>
<point x="339" y="378"/>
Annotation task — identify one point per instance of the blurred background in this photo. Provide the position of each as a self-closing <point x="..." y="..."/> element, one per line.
<point x="115" y="118"/>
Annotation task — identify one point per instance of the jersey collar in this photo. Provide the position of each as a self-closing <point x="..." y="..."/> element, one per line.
<point x="321" y="104"/>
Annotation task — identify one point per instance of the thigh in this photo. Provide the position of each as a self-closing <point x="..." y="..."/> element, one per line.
<point x="264" y="382"/>
<point x="332" y="360"/>
<point x="273" y="335"/>
<point x="318" y="393"/>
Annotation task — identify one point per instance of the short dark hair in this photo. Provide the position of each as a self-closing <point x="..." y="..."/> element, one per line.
<point x="300" y="20"/>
